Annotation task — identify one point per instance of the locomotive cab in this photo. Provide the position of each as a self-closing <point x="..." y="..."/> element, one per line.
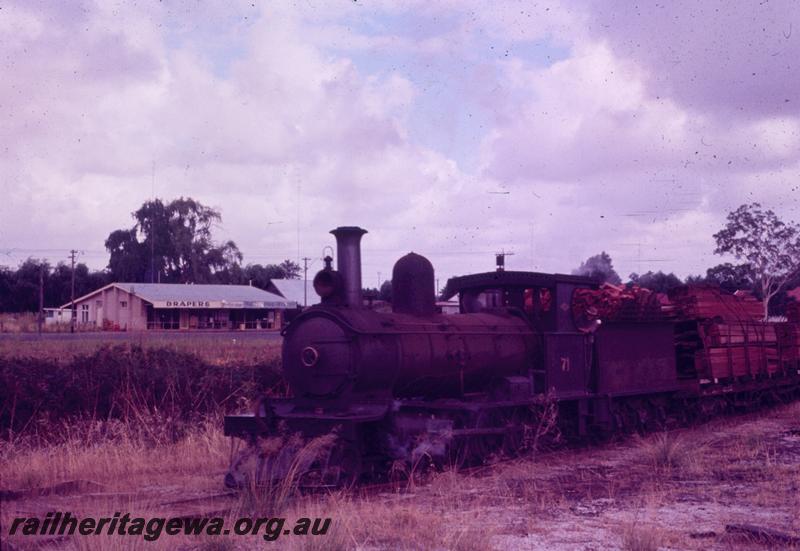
<point x="563" y="367"/>
<point x="546" y="299"/>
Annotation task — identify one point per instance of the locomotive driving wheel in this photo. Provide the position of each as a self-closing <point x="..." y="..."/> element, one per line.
<point x="475" y="449"/>
<point x="341" y="467"/>
<point x="514" y="422"/>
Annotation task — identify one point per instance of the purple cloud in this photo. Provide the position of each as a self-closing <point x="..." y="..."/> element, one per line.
<point x="626" y="130"/>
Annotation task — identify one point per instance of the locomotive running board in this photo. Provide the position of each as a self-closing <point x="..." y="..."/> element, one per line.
<point x="247" y="425"/>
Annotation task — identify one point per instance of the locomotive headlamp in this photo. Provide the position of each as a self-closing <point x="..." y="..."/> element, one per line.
<point x="327" y="283"/>
<point x="309" y="356"/>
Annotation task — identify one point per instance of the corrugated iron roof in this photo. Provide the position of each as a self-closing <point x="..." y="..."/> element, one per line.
<point x="177" y="291"/>
<point x="293" y="289"/>
<point x="238" y="295"/>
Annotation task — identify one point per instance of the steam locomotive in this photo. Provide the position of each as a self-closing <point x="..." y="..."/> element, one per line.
<point x="377" y="390"/>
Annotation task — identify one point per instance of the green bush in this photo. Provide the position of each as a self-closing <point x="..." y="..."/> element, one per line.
<point x="126" y="382"/>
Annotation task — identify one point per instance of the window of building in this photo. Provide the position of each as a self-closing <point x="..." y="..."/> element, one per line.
<point x="84" y="313"/>
<point x="123" y="304"/>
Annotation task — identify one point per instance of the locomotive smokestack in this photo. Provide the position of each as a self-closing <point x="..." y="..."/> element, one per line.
<point x="348" y="262"/>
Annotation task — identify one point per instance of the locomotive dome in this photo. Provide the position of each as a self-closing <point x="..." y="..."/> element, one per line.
<point x="413" y="288"/>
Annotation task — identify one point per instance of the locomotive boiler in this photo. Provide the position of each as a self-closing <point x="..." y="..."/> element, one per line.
<point x="377" y="392"/>
<point x="342" y="353"/>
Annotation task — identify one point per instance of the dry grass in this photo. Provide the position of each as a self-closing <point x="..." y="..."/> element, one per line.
<point x="363" y="523"/>
<point x="114" y="454"/>
<point x="255" y="497"/>
<point x="639" y="537"/>
<point x="637" y="495"/>
<point x="668" y="452"/>
<point x="26" y="322"/>
<point x="97" y="470"/>
<point x="22" y="322"/>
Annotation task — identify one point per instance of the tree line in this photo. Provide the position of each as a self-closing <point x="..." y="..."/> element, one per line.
<point x="172" y="243"/>
<point x="168" y="243"/>
<point x="767" y="250"/>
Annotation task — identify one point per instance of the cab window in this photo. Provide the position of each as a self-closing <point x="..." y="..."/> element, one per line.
<point x="537" y="300"/>
<point x="473" y="302"/>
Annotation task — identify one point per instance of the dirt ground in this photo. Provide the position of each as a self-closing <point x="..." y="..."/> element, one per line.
<point x="730" y="484"/>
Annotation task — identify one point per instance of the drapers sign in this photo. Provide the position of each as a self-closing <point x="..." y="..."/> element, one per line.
<point x="188" y="304"/>
<point x="203" y="304"/>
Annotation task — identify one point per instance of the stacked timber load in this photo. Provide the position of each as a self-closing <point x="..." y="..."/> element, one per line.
<point x="668" y="309"/>
<point x="616" y="303"/>
<point x="721" y="335"/>
<point x="706" y="301"/>
<point x="737" y="361"/>
<point x="737" y="349"/>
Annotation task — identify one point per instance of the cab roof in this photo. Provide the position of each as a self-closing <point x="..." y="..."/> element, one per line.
<point x="511" y="279"/>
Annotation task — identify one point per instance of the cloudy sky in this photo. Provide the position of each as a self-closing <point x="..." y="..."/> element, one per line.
<point x="454" y="129"/>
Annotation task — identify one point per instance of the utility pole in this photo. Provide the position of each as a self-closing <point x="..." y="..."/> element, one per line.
<point x="298" y="218"/>
<point x="72" y="254"/>
<point x="305" y="280"/>
<point x="152" y="233"/>
<point x="152" y="255"/>
<point x="41" y="296"/>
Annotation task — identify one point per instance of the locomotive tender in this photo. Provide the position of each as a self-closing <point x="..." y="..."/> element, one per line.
<point x="415" y="385"/>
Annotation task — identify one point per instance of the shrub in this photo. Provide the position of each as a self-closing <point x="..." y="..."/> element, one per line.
<point x="125" y="382"/>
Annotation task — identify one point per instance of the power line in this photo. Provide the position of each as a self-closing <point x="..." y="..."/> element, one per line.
<point x="22" y="250"/>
